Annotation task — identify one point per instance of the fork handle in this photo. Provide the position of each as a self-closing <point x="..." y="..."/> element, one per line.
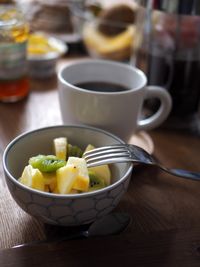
<point x="183" y="173"/>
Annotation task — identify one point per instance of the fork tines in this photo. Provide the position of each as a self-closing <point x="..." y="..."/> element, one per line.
<point x="106" y="155"/>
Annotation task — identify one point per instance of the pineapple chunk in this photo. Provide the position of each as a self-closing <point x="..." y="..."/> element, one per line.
<point x="66" y="177"/>
<point x="49" y="177"/>
<point x="60" y="147"/>
<point x="55" y="190"/>
<point x="50" y="180"/>
<point x="81" y="184"/>
<point x="52" y="186"/>
<point x="74" y="191"/>
<point x="89" y="147"/>
<point x="46" y="188"/>
<point x="82" y="181"/>
<point x="103" y="172"/>
<point x="32" y="178"/>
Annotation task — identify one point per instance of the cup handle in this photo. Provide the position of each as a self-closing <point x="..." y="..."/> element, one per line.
<point x="161" y="114"/>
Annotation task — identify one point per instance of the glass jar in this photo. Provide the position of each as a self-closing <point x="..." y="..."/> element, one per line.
<point x="14" y="83"/>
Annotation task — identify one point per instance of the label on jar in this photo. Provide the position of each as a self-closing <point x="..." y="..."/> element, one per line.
<point x="12" y="61"/>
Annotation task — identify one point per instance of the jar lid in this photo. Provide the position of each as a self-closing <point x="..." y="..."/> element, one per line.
<point x="180" y="7"/>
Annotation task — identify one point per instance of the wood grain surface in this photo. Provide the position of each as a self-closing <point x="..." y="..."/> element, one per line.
<point x="165" y="209"/>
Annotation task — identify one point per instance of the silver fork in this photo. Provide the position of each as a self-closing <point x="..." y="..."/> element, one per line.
<point x="130" y="153"/>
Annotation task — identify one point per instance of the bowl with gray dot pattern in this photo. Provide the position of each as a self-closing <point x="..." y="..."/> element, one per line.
<point x="63" y="209"/>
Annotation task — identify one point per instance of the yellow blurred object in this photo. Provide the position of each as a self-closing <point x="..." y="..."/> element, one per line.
<point x="20" y="30"/>
<point x="39" y="44"/>
<point x="110" y="47"/>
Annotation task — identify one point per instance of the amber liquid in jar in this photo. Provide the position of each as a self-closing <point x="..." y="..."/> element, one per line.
<point x="14" y="82"/>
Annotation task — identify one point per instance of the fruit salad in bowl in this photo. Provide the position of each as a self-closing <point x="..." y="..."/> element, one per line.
<point x="48" y="177"/>
<point x="65" y="171"/>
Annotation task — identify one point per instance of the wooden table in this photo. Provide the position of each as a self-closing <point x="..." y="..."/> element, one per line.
<point x="165" y="210"/>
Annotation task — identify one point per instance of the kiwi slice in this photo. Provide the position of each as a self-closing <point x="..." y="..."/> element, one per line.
<point x="74" y="151"/>
<point x="96" y="183"/>
<point x="49" y="163"/>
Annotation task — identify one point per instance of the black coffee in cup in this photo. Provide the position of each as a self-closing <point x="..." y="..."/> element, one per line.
<point x="102" y="86"/>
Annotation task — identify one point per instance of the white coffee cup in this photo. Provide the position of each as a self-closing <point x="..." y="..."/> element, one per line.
<point x="117" y="112"/>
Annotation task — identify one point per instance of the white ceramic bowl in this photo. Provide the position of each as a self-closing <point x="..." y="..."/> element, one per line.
<point x="73" y="209"/>
<point x="44" y="65"/>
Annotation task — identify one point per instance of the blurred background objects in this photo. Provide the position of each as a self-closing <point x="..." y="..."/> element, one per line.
<point x="53" y="17"/>
<point x="108" y="28"/>
<point x="103" y="29"/>
<point x="14" y="33"/>
<point x="167" y="49"/>
<point x="99" y="29"/>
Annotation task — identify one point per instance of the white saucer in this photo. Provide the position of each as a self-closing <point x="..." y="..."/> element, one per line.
<point x="143" y="140"/>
